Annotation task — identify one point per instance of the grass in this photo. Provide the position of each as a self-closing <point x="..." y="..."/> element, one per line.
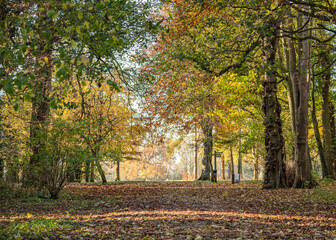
<point x="33" y="228"/>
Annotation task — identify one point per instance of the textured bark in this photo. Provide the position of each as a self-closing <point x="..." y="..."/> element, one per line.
<point x="300" y="78"/>
<point x="39" y="119"/>
<point x="326" y="118"/>
<point x="290" y="94"/>
<point x="208" y="147"/>
<point x="274" y="176"/>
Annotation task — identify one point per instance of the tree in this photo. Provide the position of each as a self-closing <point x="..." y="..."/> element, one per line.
<point x="45" y="39"/>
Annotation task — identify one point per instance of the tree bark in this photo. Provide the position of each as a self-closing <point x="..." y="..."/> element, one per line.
<point x="208" y="147"/>
<point x="326" y="119"/>
<point x="240" y="164"/>
<point x="256" y="164"/>
<point x="230" y="168"/>
<point x="223" y="167"/>
<point x="118" y="171"/>
<point x="232" y="165"/>
<point x="317" y="133"/>
<point x="274" y="165"/>
<point x="301" y="80"/>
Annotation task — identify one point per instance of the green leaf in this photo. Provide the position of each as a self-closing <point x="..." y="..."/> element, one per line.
<point x="16" y="107"/>
<point x="73" y="43"/>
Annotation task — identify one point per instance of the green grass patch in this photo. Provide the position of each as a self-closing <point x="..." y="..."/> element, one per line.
<point x="33" y="229"/>
<point x="319" y="194"/>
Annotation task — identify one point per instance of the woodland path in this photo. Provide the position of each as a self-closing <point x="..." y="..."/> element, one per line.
<point x="174" y="210"/>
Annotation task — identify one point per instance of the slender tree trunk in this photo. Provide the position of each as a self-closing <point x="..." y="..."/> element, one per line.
<point x="256" y="164"/>
<point x="118" y="171"/>
<point x="223" y="167"/>
<point x="230" y="172"/>
<point x="87" y="170"/>
<point x="92" y="177"/>
<point x="274" y="176"/>
<point x="208" y="147"/>
<point x="326" y="119"/>
<point x="101" y="171"/>
<point x="232" y="165"/>
<point x="196" y="153"/>
<point x="240" y="164"/>
<point x="317" y="133"/>
<point x="290" y="94"/>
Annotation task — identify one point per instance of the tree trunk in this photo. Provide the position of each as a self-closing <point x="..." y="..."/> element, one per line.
<point x="326" y="119"/>
<point x="300" y="81"/>
<point x="230" y="169"/>
<point x="256" y="164"/>
<point x="223" y="167"/>
<point x="92" y="178"/>
<point x="196" y="153"/>
<point x="101" y="172"/>
<point x="240" y="164"/>
<point x="208" y="146"/>
<point x="87" y="170"/>
<point x="39" y="116"/>
<point x="290" y="94"/>
<point x="118" y="171"/>
<point x="232" y="165"/>
<point x="333" y="133"/>
<point x="274" y="176"/>
<point x="317" y="133"/>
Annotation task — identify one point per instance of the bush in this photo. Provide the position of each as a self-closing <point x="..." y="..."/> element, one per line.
<point x="5" y="190"/>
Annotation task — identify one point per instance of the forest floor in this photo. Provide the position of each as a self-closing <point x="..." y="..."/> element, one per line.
<point x="173" y="210"/>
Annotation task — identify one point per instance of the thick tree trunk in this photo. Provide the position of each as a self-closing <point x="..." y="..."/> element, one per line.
<point x="326" y="119"/>
<point x="208" y="147"/>
<point x="274" y="176"/>
<point x="333" y="133"/>
<point x="300" y="81"/>
<point x="39" y="116"/>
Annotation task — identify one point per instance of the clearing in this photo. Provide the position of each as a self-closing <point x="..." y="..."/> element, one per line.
<point x="173" y="210"/>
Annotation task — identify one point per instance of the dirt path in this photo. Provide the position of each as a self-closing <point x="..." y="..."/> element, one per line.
<point x="174" y="210"/>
